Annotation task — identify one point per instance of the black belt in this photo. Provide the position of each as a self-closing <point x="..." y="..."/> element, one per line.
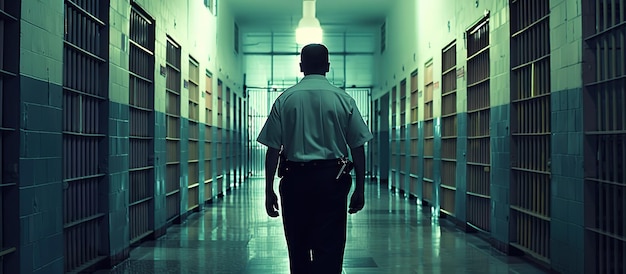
<point x="313" y="163"/>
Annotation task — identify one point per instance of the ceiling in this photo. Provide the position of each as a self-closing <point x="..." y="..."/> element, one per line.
<point x="267" y="27"/>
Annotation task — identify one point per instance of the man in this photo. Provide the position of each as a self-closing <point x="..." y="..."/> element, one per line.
<point x="315" y="124"/>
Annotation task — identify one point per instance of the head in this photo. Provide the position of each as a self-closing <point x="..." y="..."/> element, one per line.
<point x="314" y="59"/>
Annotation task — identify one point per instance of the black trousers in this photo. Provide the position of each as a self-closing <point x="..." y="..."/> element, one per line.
<point x="314" y="209"/>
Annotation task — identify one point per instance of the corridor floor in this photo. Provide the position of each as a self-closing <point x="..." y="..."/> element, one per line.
<point x="391" y="235"/>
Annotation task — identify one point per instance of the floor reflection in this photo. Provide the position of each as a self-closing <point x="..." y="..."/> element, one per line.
<point x="391" y="235"/>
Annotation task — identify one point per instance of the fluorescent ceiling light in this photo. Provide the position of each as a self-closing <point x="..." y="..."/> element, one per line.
<point x="309" y="29"/>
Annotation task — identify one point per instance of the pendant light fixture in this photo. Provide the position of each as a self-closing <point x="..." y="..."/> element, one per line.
<point x="309" y="29"/>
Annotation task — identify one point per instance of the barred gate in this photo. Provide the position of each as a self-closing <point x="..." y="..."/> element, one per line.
<point x="141" y="124"/>
<point x="260" y="104"/>
<point x="85" y="109"/>
<point x="428" y="184"/>
<point x="172" y="112"/>
<point x="9" y="125"/>
<point x="604" y="33"/>
<point x="448" y="129"/>
<point x="530" y="127"/>
<point x="478" y="122"/>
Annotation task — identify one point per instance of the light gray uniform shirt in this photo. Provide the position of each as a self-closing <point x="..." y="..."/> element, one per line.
<point x="314" y="120"/>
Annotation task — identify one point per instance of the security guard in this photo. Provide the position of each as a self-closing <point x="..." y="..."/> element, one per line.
<point x="311" y="127"/>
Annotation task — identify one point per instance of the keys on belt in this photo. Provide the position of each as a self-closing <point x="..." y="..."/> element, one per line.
<point x="346" y="167"/>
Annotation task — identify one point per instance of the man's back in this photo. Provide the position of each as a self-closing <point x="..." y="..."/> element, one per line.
<point x="316" y="118"/>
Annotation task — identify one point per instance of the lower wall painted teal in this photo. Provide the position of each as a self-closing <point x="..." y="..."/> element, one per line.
<point x="461" y="168"/>
<point x="37" y="197"/>
<point x="500" y="172"/>
<point x="567" y="185"/>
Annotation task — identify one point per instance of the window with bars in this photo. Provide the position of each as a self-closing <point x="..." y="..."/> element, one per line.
<point x="85" y="96"/>
<point x="478" y="119"/>
<point x="413" y="134"/>
<point x="448" y="129"/>
<point x="429" y="133"/>
<point x="208" y="136"/>
<point x="193" y="189"/>
<point x="141" y="123"/>
<point x="9" y="123"/>
<point x="604" y="97"/>
<point x="172" y="111"/>
<point x="530" y="127"/>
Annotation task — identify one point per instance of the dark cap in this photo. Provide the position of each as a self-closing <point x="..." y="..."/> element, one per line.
<point x="314" y="54"/>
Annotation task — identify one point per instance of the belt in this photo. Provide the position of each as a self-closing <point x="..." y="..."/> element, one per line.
<point x="313" y="163"/>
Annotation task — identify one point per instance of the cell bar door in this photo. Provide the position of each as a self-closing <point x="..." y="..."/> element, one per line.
<point x="172" y="113"/>
<point x="448" y="129"/>
<point x="604" y="97"/>
<point x="403" y="173"/>
<point x="429" y="135"/>
<point x="478" y="136"/>
<point x="85" y="123"/>
<point x="413" y="136"/>
<point x="141" y="123"/>
<point x="208" y="136"/>
<point x="530" y="127"/>
<point x="394" y="139"/>
<point x="193" y="163"/>
<point x="9" y="133"/>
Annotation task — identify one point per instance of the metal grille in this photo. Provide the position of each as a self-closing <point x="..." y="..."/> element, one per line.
<point x="604" y="29"/>
<point x="208" y="136"/>
<point x="84" y="144"/>
<point x="193" y="187"/>
<point x="375" y="143"/>
<point x="9" y="50"/>
<point x="429" y="133"/>
<point x="141" y="123"/>
<point x="363" y="100"/>
<point x="402" y="140"/>
<point x="530" y="127"/>
<point x="478" y="136"/>
<point x="172" y="91"/>
<point x="394" y="138"/>
<point x="413" y="135"/>
<point x="448" y="129"/>
<point x="219" y="146"/>
<point x="227" y="140"/>
<point x="261" y="101"/>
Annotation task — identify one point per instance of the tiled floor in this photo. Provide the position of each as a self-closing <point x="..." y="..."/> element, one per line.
<point x="391" y="235"/>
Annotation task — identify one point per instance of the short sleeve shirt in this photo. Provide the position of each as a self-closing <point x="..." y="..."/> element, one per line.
<point x="314" y="120"/>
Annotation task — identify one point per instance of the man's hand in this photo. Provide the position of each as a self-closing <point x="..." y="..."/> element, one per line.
<point x="357" y="201"/>
<point x="271" y="204"/>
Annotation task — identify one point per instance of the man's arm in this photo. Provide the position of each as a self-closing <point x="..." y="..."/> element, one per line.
<point x="357" y="201"/>
<point x="271" y="200"/>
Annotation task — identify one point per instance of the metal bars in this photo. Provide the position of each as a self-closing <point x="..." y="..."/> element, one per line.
<point x="530" y="127"/>
<point x="172" y="89"/>
<point x="448" y="129"/>
<point x="605" y="135"/>
<point x="403" y="171"/>
<point x="478" y="135"/>
<point x="193" y="182"/>
<point x="219" y="175"/>
<point x="413" y="135"/>
<point x="395" y="146"/>
<point x="429" y="133"/>
<point x="9" y="50"/>
<point x="84" y="144"/>
<point x="208" y="136"/>
<point x="141" y="124"/>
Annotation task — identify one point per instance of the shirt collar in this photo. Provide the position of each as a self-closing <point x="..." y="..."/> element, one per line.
<point x="314" y="76"/>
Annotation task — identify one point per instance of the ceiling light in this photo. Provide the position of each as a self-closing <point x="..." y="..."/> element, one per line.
<point x="309" y="29"/>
